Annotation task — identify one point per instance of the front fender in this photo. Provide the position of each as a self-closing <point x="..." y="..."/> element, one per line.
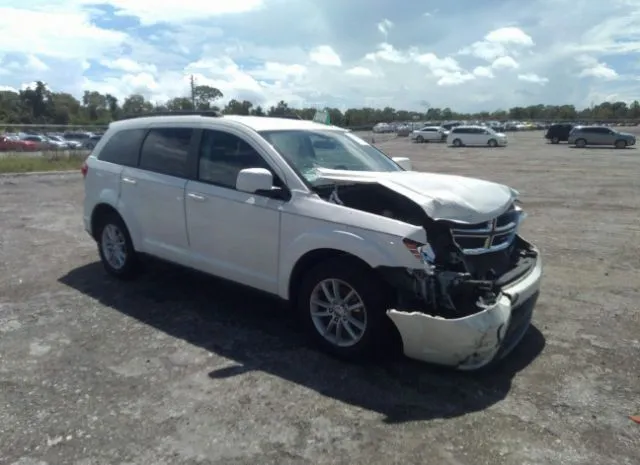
<point x="373" y="252"/>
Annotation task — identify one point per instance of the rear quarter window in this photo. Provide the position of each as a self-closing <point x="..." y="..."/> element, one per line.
<point x="166" y="151"/>
<point x="123" y="147"/>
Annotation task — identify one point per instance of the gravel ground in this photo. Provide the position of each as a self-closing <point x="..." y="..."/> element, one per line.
<point x="178" y="368"/>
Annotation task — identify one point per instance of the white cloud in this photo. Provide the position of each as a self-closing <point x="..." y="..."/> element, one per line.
<point x="508" y="36"/>
<point x="36" y="64"/>
<point x="128" y="65"/>
<point x="384" y="26"/>
<point x="498" y="43"/>
<point x="600" y="70"/>
<point x="386" y="52"/>
<point x="60" y="34"/>
<point x="325" y="55"/>
<point x="591" y="67"/>
<point x="178" y="11"/>
<point x="483" y="71"/>
<point x="533" y="78"/>
<point x="359" y="71"/>
<point x="505" y="62"/>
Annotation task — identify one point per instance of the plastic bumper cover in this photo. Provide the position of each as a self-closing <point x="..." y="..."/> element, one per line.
<point x="471" y="342"/>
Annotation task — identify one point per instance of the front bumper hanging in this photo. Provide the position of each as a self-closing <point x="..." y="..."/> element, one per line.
<point x="472" y="341"/>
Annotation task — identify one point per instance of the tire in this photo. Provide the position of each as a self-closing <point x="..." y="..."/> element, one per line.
<point x="419" y="139"/>
<point x="373" y="331"/>
<point x="493" y="143"/>
<point x="111" y="227"/>
<point x="582" y="143"/>
<point x="457" y="143"/>
<point x="621" y="144"/>
<point x="555" y="140"/>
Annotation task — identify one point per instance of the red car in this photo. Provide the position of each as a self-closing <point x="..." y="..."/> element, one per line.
<point x="11" y="144"/>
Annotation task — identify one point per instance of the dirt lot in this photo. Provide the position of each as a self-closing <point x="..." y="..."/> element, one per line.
<point x="180" y="368"/>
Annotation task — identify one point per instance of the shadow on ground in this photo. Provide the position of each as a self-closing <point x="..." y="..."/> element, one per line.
<point x="599" y="147"/>
<point x="258" y="333"/>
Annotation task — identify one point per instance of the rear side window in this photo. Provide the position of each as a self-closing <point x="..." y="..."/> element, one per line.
<point x="123" y="147"/>
<point x="166" y="150"/>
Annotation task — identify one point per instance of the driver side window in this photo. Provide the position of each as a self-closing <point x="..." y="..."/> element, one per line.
<point x="223" y="155"/>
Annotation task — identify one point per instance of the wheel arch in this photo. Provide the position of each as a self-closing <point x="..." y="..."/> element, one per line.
<point x="99" y="212"/>
<point x="313" y="258"/>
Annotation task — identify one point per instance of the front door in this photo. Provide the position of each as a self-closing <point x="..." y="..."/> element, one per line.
<point x="232" y="234"/>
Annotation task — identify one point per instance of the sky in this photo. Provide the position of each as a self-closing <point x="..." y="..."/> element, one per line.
<point x="468" y="55"/>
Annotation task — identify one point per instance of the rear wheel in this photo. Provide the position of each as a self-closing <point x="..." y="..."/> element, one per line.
<point x="621" y="144"/>
<point x="116" y="250"/>
<point x="343" y="304"/>
<point x="457" y="143"/>
<point x="581" y="143"/>
<point x="555" y="140"/>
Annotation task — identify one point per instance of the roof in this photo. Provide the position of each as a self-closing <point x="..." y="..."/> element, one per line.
<point x="257" y="123"/>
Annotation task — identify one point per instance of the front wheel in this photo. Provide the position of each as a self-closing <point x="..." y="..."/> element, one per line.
<point x="555" y="140"/>
<point x="621" y="144"/>
<point x="457" y="143"/>
<point x="343" y="305"/>
<point x="419" y="139"/>
<point x="582" y="143"/>
<point x="492" y="143"/>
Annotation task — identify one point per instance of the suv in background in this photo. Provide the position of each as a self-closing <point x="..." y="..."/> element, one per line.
<point x="476" y="135"/>
<point x="558" y="132"/>
<point x="364" y="248"/>
<point x="581" y="136"/>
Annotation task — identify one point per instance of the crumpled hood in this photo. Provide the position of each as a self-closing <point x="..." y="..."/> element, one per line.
<point x="442" y="196"/>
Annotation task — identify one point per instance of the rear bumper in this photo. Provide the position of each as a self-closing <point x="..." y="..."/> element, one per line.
<point x="474" y="341"/>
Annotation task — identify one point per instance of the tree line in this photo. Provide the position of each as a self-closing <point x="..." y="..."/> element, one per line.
<point x="39" y="105"/>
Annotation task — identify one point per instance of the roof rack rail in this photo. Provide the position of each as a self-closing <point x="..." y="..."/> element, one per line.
<point x="287" y="116"/>
<point x="210" y="113"/>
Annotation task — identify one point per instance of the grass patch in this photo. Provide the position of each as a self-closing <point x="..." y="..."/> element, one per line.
<point x="48" y="162"/>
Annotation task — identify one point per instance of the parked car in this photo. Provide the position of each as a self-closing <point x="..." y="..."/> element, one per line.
<point x="558" y="132"/>
<point x="91" y="142"/>
<point x="358" y="243"/>
<point x="40" y="142"/>
<point x="581" y="136"/>
<point x="64" y="143"/>
<point x="429" y="134"/>
<point x="10" y="143"/>
<point x="476" y="135"/>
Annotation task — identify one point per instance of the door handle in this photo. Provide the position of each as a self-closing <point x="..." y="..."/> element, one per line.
<point x="129" y="181"/>
<point x="196" y="197"/>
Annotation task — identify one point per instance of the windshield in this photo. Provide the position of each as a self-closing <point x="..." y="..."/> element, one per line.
<point x="308" y="150"/>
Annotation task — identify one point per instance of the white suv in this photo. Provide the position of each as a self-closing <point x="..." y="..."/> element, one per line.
<point x="363" y="247"/>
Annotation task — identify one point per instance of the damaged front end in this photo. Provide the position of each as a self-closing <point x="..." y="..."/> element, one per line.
<point x="472" y="300"/>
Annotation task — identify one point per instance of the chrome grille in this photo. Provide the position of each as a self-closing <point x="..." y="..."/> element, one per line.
<point x="491" y="236"/>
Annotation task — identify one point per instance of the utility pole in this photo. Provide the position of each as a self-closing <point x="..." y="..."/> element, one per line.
<point x="193" y="92"/>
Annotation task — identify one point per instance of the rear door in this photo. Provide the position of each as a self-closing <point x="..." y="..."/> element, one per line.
<point x="153" y="192"/>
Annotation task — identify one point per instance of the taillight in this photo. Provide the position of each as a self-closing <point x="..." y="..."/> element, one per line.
<point x="83" y="169"/>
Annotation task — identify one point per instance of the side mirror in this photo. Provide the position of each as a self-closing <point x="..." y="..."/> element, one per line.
<point x="404" y="163"/>
<point x="252" y="180"/>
